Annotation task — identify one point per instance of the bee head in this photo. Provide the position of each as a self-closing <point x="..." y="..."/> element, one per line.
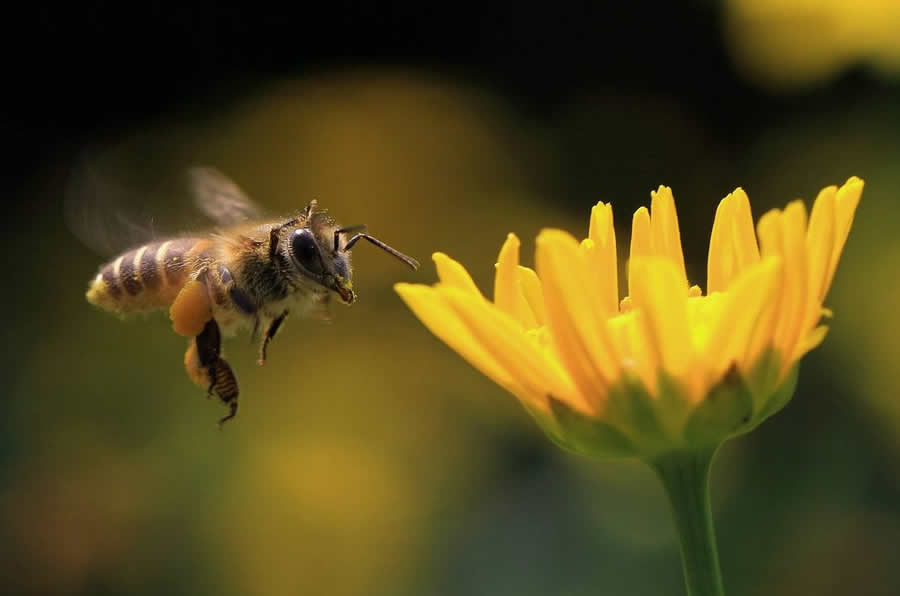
<point x="320" y="250"/>
<point x="306" y="243"/>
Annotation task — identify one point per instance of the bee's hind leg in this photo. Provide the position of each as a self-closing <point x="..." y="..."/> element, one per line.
<point x="227" y="389"/>
<point x="209" y="349"/>
<point x="208" y="369"/>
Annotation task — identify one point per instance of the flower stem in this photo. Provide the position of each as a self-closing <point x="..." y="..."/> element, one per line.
<point x="685" y="477"/>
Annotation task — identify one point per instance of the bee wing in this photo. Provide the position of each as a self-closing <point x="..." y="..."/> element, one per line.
<point x="220" y="198"/>
<point x="106" y="216"/>
<point x="110" y="216"/>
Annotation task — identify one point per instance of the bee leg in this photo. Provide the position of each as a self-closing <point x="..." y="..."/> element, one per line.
<point x="227" y="389"/>
<point x="255" y="333"/>
<point x="270" y="335"/>
<point x="207" y="368"/>
<point x="197" y="372"/>
<point x="209" y="345"/>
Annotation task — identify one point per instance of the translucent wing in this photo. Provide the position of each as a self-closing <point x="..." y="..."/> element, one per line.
<point x="107" y="216"/>
<point x="112" y="206"/>
<point x="220" y="199"/>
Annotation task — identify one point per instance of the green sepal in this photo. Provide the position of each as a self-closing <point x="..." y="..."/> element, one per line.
<point x="780" y="397"/>
<point x="635" y="424"/>
<point x="629" y="407"/>
<point x="580" y="434"/>
<point x="724" y="412"/>
<point x="652" y="423"/>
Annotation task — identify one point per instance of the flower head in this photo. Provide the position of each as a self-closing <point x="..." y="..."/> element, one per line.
<point x="667" y="367"/>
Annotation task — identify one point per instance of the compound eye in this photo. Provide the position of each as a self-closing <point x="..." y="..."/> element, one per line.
<point x="306" y="251"/>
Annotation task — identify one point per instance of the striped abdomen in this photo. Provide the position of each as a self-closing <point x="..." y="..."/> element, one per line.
<point x="146" y="278"/>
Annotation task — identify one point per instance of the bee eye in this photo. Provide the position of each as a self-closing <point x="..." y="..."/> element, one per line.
<point x="305" y="250"/>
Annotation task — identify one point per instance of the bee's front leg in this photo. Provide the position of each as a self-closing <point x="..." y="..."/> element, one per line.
<point x="270" y="334"/>
<point x="206" y="367"/>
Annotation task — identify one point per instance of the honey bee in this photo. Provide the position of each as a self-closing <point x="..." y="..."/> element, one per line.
<point x="248" y="272"/>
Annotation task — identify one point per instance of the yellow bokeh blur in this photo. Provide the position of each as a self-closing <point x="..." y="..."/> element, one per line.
<point x="788" y="45"/>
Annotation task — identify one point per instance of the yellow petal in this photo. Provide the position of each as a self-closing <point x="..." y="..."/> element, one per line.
<point x="795" y="225"/>
<point x="746" y="250"/>
<point x="640" y="240"/>
<point x="820" y="241"/>
<point x="436" y="314"/>
<point x="812" y="340"/>
<point x="784" y="234"/>
<point x="660" y="293"/>
<point x="517" y="352"/>
<point x="738" y="316"/>
<point x="603" y="258"/>
<point x="720" y="262"/>
<point x="508" y="295"/>
<point x="666" y="237"/>
<point x="637" y="354"/>
<point x="704" y="316"/>
<point x="848" y="197"/>
<point x="453" y="274"/>
<point x="596" y="268"/>
<point x="763" y="332"/>
<point x="601" y="220"/>
<point x="820" y="250"/>
<point x="577" y="326"/>
<point x="732" y="246"/>
<point x="534" y="293"/>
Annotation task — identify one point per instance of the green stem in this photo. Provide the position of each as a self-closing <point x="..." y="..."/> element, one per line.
<point x="685" y="477"/>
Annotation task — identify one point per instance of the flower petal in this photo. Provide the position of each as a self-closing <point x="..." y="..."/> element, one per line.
<point x="737" y="317"/>
<point x="744" y="244"/>
<point x="454" y="274"/>
<point x="638" y="356"/>
<point x="534" y="293"/>
<point x="640" y="240"/>
<point x="602" y="257"/>
<point x="435" y="313"/>
<point x="820" y="241"/>
<point x="578" y="327"/>
<point x="660" y="293"/>
<point x="720" y="262"/>
<point x="508" y="295"/>
<point x="666" y="237"/>
<point x="732" y="245"/>
<point x="812" y="340"/>
<point x="517" y="352"/>
<point x="848" y="197"/>
<point x="761" y="336"/>
<point x="795" y="225"/>
<point x="784" y="234"/>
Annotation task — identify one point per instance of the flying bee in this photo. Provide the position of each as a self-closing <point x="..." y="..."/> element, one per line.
<point x="250" y="272"/>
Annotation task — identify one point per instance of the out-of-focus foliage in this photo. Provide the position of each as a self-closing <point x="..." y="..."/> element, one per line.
<point x="791" y="44"/>
<point x="367" y="458"/>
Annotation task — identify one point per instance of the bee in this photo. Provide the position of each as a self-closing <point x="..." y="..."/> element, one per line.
<point x="249" y="272"/>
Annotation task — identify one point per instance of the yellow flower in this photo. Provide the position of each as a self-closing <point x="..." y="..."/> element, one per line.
<point x="668" y="367"/>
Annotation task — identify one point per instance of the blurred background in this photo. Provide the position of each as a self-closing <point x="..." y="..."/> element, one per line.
<point x="368" y="458"/>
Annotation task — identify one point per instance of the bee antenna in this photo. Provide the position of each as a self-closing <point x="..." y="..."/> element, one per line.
<point x="414" y="264"/>
<point x="347" y="230"/>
